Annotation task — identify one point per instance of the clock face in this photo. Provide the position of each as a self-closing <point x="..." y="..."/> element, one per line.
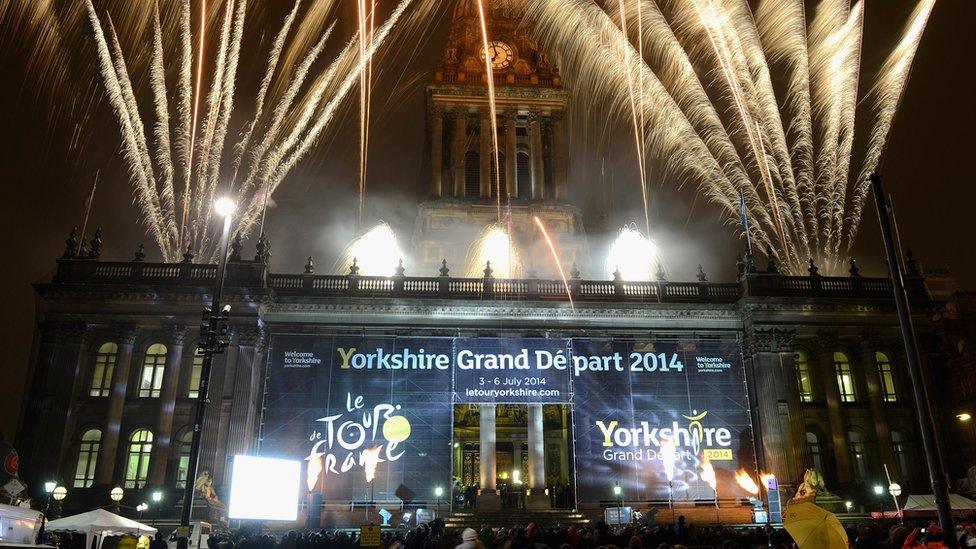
<point x="501" y="54"/>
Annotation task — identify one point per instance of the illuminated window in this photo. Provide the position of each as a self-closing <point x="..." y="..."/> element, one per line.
<point x="803" y="376"/>
<point x="87" y="458"/>
<point x="195" y="372"/>
<point x="816" y="451"/>
<point x="137" y="462"/>
<point x="101" y="384"/>
<point x="152" y="371"/>
<point x="845" y="380"/>
<point x="183" y="465"/>
<point x="886" y="376"/>
<point x="859" y="458"/>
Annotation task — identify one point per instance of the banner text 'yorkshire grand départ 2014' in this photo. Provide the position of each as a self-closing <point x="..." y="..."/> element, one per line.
<point x="354" y="406"/>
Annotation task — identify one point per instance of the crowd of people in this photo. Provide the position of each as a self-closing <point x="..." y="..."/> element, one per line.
<point x="868" y="535"/>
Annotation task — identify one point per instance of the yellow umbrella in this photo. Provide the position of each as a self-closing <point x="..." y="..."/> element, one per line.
<point x="814" y="527"/>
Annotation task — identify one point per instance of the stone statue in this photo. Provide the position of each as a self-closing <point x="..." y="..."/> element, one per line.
<point x="812" y="485"/>
<point x="204" y="487"/>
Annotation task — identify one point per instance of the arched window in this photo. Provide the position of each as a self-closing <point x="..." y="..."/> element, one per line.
<point x="101" y="383"/>
<point x="137" y="462"/>
<point x="816" y="451"/>
<point x="87" y="458"/>
<point x="845" y="379"/>
<point x="152" y="371"/>
<point x="859" y="458"/>
<point x="886" y="377"/>
<point x="196" y="371"/>
<point x="523" y="169"/>
<point x="900" y="448"/>
<point x="803" y="382"/>
<point x="183" y="466"/>
<point x="472" y="175"/>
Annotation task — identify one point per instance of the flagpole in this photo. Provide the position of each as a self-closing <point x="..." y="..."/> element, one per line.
<point x="745" y="221"/>
<point x="88" y="207"/>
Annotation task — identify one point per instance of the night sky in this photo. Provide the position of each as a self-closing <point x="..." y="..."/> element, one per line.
<point x="51" y="147"/>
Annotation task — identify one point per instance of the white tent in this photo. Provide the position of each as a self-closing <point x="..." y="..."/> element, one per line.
<point x="99" y="523"/>
<point x="924" y="505"/>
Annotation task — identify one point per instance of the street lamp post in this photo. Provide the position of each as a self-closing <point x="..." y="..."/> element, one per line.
<point x="49" y="487"/>
<point x="59" y="494"/>
<point x="215" y="319"/>
<point x="923" y="410"/>
<point x="116" y="495"/>
<point x="157" y="498"/>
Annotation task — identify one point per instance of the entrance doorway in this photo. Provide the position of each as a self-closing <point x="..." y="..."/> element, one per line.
<point x="531" y="459"/>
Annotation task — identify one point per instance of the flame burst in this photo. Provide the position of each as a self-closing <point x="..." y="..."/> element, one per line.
<point x="708" y="475"/>
<point x="369" y="459"/>
<point x="667" y="458"/>
<point x="744" y="480"/>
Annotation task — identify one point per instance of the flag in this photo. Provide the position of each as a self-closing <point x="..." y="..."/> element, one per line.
<point x="744" y="217"/>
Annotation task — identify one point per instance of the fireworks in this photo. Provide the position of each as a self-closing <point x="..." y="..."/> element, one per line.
<point x="635" y="257"/>
<point x="494" y="246"/>
<point x="789" y="155"/>
<point x="376" y="253"/>
<point x="267" y="151"/>
<point x="555" y="258"/>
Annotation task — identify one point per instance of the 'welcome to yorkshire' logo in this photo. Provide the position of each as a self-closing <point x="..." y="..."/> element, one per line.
<point x="695" y="436"/>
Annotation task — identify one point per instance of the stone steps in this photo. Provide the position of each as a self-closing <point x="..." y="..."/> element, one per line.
<point x="512" y="517"/>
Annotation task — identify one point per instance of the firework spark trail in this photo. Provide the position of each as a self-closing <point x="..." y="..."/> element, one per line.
<point x="184" y="107"/>
<point x="748" y="46"/>
<point x="157" y="77"/>
<point x="210" y="121"/>
<point x="783" y="30"/>
<point x="848" y="104"/>
<point x="636" y="120"/>
<point x="364" y="89"/>
<point x="274" y="55"/>
<point x="289" y="153"/>
<point x="279" y="117"/>
<point x="150" y="212"/>
<point x="592" y="50"/>
<point x="492" y="111"/>
<point x="712" y="22"/>
<point x="197" y="92"/>
<point x="885" y="97"/>
<point x="555" y="259"/>
<point x="226" y="106"/>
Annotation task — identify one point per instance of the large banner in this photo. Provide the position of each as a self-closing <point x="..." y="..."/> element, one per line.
<point x="645" y="409"/>
<point x="345" y="403"/>
<point x="643" y="412"/>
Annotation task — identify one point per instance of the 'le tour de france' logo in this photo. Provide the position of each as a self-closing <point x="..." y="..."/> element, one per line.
<point x="362" y="435"/>
<point x="644" y="441"/>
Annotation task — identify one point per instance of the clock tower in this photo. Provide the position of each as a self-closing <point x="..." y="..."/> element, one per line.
<point x="460" y="196"/>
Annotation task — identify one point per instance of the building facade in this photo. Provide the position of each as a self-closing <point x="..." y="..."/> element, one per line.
<point x="115" y="369"/>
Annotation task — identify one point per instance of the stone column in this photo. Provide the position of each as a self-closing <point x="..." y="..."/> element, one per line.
<point x="535" y="137"/>
<point x="436" y="150"/>
<point x="766" y="392"/>
<point x="796" y="420"/>
<point x="459" y="146"/>
<point x="163" y="434"/>
<point x="245" y="391"/>
<point x="213" y="439"/>
<point x="105" y="471"/>
<point x="511" y="153"/>
<point x="486" y="449"/>
<point x="517" y="458"/>
<point x="485" y="155"/>
<point x="838" y="430"/>
<point x="77" y="382"/>
<point x="882" y="431"/>
<point x="537" y="449"/>
<point x="559" y="155"/>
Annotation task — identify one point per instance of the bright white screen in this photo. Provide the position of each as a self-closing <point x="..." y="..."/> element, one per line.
<point x="264" y="488"/>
